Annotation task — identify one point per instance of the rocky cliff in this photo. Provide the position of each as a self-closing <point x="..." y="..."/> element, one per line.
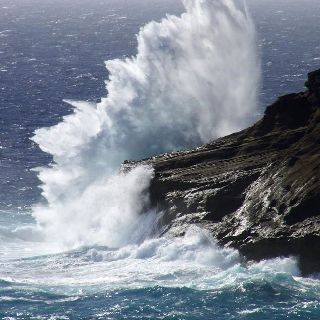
<point x="257" y="190"/>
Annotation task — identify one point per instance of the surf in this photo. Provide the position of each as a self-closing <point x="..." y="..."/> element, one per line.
<point x="195" y="77"/>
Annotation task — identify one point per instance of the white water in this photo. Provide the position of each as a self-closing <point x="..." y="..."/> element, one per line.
<point x="193" y="261"/>
<point x="195" y="78"/>
<point x="109" y="212"/>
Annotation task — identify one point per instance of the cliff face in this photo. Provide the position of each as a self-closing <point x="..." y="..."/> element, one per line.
<point x="257" y="190"/>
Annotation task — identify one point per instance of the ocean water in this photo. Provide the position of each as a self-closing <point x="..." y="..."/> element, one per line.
<point x="87" y="249"/>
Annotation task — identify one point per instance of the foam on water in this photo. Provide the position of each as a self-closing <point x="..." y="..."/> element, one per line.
<point x="189" y="276"/>
<point x="193" y="261"/>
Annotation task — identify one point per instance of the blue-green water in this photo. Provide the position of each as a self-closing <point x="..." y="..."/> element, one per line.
<point x="189" y="278"/>
<point x="264" y="300"/>
<point x="83" y="264"/>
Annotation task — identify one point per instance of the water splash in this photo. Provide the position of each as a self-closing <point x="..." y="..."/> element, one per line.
<point x="192" y="261"/>
<point x="194" y="78"/>
<point x="108" y="213"/>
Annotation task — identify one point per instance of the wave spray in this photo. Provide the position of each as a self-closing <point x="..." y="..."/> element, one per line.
<point x="194" y="78"/>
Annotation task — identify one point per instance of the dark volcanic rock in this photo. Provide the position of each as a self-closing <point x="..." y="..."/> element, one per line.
<point x="257" y="190"/>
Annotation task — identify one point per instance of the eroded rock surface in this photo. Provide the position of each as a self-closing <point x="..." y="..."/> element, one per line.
<point x="257" y="190"/>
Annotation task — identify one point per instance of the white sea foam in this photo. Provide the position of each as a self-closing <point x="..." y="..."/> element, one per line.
<point x="194" y="78"/>
<point x="193" y="261"/>
<point x="285" y="265"/>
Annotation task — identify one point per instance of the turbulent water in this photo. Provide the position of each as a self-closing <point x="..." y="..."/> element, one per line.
<point x="195" y="77"/>
<point x="189" y="278"/>
<point x="89" y="247"/>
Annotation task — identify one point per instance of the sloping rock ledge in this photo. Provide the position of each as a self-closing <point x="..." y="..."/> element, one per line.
<point x="257" y="190"/>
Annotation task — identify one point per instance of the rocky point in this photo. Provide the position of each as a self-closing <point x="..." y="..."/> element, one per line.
<point x="257" y="190"/>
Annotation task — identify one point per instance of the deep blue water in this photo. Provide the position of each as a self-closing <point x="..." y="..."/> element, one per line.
<point x="171" y="303"/>
<point x="55" y="50"/>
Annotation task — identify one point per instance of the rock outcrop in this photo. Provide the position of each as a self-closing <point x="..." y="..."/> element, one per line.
<point x="257" y="190"/>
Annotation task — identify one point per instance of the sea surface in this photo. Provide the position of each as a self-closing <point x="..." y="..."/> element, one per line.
<point x="55" y="50"/>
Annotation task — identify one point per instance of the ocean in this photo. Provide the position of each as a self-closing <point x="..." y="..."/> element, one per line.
<point x="82" y="249"/>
